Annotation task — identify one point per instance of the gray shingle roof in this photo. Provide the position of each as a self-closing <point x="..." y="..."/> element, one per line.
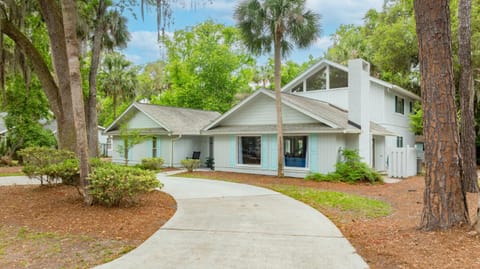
<point x="268" y="129"/>
<point x="320" y="109"/>
<point x="177" y="120"/>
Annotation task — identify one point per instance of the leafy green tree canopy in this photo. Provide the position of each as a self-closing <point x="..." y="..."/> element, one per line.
<point x="206" y="67"/>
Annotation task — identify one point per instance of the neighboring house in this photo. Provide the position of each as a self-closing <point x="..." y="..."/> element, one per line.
<point x="171" y="133"/>
<point x="52" y="126"/>
<point x="325" y="109"/>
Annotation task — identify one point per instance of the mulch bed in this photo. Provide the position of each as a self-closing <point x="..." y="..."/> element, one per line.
<point x="88" y="235"/>
<point x="393" y="241"/>
<point x="60" y="209"/>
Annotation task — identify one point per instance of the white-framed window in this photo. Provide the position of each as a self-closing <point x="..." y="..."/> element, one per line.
<point x="295" y="149"/>
<point x="249" y="150"/>
<point x="411" y="107"/>
<point x="399" y="105"/>
<point x="399" y="142"/>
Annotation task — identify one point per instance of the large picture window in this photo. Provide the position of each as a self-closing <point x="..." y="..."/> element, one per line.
<point x="295" y="148"/>
<point x="249" y="150"/>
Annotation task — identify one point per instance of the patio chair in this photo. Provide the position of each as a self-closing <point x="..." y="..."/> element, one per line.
<point x="195" y="156"/>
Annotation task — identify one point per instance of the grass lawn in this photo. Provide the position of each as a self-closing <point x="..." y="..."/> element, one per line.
<point x="355" y="204"/>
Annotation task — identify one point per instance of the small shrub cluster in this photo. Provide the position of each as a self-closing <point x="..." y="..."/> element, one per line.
<point x="349" y="169"/>
<point x="112" y="184"/>
<point x="109" y="184"/>
<point x="154" y="164"/>
<point x="45" y="164"/>
<point x="190" y="164"/>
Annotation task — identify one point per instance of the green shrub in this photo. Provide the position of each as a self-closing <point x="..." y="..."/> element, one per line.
<point x="190" y="164"/>
<point x="112" y="184"/>
<point x="210" y="163"/>
<point x="68" y="171"/>
<point x="349" y="169"/>
<point x="152" y="163"/>
<point x="37" y="159"/>
<point x="321" y="177"/>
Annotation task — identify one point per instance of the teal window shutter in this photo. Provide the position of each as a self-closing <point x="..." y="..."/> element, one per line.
<point x="233" y="144"/>
<point x="264" y="151"/>
<point x="313" y="148"/>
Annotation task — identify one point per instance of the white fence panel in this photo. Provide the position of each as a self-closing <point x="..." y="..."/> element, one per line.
<point x="402" y="162"/>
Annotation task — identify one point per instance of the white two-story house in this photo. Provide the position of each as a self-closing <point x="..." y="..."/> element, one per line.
<point x="326" y="108"/>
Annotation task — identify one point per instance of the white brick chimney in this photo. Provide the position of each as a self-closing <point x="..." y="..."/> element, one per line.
<point x="359" y="104"/>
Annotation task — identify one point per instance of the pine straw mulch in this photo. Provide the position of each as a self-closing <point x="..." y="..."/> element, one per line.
<point x="393" y="241"/>
<point x="49" y="227"/>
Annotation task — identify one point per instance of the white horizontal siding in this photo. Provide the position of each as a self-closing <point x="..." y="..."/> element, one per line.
<point x="262" y="110"/>
<point x="140" y="120"/>
<point x="337" y="97"/>
<point x="377" y="99"/>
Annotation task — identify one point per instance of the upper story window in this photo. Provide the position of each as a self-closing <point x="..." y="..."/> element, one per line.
<point x="298" y="88"/>
<point x="318" y="81"/>
<point x="399" y="105"/>
<point x="338" y="78"/>
<point x="411" y="106"/>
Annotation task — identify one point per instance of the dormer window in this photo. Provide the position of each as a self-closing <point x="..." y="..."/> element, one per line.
<point x="318" y="81"/>
<point x="298" y="88"/>
<point x="399" y="105"/>
<point x="338" y="78"/>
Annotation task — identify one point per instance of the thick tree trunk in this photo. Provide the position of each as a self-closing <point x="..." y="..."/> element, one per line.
<point x="66" y="135"/>
<point x="91" y="109"/>
<point x="53" y="19"/>
<point x="467" y="126"/>
<point x="444" y="198"/>
<point x="72" y="46"/>
<point x="278" y="97"/>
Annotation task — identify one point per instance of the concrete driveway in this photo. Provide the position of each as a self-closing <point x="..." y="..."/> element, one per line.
<point x="228" y="225"/>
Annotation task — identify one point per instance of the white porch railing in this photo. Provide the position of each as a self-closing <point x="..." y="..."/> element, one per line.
<point x="402" y="162"/>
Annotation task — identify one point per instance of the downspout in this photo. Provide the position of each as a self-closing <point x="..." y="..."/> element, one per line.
<point x="172" y="140"/>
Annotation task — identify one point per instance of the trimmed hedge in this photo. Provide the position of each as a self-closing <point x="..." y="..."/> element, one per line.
<point x="154" y="164"/>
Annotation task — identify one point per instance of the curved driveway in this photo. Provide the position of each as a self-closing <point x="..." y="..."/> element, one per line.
<point x="228" y="225"/>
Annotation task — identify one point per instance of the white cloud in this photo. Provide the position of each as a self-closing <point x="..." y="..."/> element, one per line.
<point x="144" y="47"/>
<point x="323" y="43"/>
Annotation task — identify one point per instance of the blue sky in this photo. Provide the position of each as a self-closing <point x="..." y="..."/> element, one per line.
<point x="143" y="46"/>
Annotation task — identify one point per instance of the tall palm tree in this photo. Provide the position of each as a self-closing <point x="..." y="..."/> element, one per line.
<point x="118" y="78"/>
<point x="281" y="24"/>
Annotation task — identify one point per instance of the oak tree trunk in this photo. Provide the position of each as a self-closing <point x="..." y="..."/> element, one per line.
<point x="72" y="48"/>
<point x="52" y="15"/>
<point x="444" y="198"/>
<point x="278" y="99"/>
